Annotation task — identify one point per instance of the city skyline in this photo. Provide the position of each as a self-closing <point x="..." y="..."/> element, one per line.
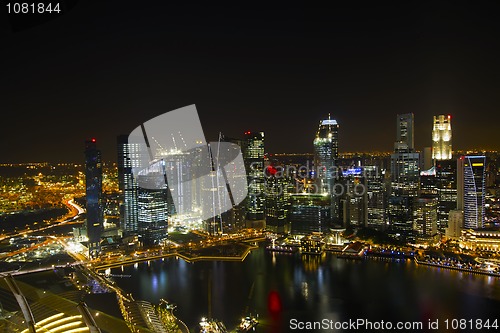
<point x="112" y="158"/>
<point x="207" y="167"/>
<point x="283" y="69"/>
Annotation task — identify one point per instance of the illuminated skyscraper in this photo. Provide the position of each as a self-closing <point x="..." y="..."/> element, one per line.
<point x="441" y="138"/>
<point x="279" y="188"/>
<point x="309" y="213"/>
<point x="425" y="207"/>
<point x="446" y="182"/>
<point x="376" y="197"/>
<point x="405" y="173"/>
<point x="425" y="218"/>
<point x="128" y="158"/>
<point x="405" y="161"/>
<point x="471" y="190"/>
<point x="153" y="204"/>
<point x="93" y="186"/>
<point x="355" y="200"/>
<point x="326" y="154"/>
<point x="253" y="156"/>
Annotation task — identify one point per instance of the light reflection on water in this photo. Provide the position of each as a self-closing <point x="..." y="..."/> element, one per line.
<point x="312" y="288"/>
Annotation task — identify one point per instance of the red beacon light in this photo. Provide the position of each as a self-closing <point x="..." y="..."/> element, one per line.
<point x="93" y="139"/>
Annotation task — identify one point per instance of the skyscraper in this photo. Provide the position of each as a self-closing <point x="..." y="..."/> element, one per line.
<point x="405" y="175"/>
<point x="93" y="186"/>
<point x="405" y="130"/>
<point x="471" y="190"/>
<point x="128" y="158"/>
<point x="376" y="196"/>
<point x="441" y="138"/>
<point x="355" y="199"/>
<point x="446" y="182"/>
<point x="253" y="156"/>
<point x="425" y="218"/>
<point x="425" y="207"/>
<point x="279" y="188"/>
<point x="326" y="154"/>
<point x="309" y="213"/>
<point x="153" y="204"/>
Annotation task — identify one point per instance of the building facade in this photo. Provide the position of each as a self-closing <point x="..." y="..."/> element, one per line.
<point x="93" y="186"/>
<point x="253" y="156"/>
<point x="326" y="154"/>
<point x="310" y="213"/>
<point x="441" y="138"/>
<point x="405" y="178"/>
<point x="154" y="204"/>
<point x="471" y="190"/>
<point x="128" y="158"/>
<point x="446" y="182"/>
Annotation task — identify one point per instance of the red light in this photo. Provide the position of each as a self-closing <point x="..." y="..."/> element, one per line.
<point x="93" y="139"/>
<point x="449" y="116"/>
<point x="271" y="170"/>
<point x="274" y="302"/>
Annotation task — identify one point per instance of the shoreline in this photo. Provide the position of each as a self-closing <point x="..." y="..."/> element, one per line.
<point x="474" y="271"/>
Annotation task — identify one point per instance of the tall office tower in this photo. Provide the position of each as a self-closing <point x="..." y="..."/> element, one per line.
<point x="355" y="200"/>
<point x="376" y="197"/>
<point x="471" y="190"/>
<point x="425" y="207"/>
<point x="128" y="158"/>
<point x="279" y="188"/>
<point x="405" y="130"/>
<point x="253" y="156"/>
<point x="93" y="185"/>
<point x="153" y="204"/>
<point x="405" y="175"/>
<point x="441" y="138"/>
<point x="405" y="172"/>
<point x="309" y="213"/>
<point x="428" y="184"/>
<point x="234" y="218"/>
<point x="446" y="183"/>
<point x="326" y="154"/>
<point x="180" y="166"/>
<point x="425" y="219"/>
<point x="455" y="223"/>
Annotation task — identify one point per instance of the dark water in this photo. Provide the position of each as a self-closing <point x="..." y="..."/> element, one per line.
<point x="280" y="287"/>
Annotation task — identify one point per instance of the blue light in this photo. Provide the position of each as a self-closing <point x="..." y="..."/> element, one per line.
<point x="352" y="171"/>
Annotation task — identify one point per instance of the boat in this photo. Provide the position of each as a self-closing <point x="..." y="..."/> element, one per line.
<point x="247" y="323"/>
<point x="210" y="325"/>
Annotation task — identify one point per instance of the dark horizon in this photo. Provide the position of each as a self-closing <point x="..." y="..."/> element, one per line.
<point x="100" y="72"/>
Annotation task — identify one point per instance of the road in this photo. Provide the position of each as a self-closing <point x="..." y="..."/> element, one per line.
<point x="75" y="211"/>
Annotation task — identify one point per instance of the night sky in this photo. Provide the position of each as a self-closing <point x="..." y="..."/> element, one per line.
<point x="104" y="67"/>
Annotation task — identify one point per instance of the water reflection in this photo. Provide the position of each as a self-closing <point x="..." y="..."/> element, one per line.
<point x="311" y="288"/>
